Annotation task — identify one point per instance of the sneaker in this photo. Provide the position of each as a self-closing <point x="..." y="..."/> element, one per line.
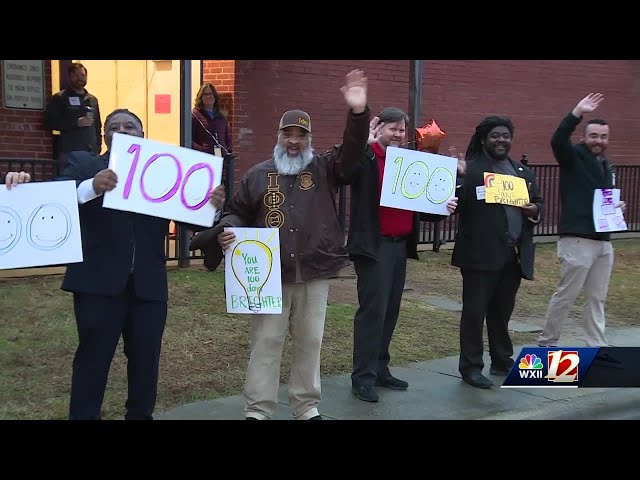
<point x="317" y="417"/>
<point x="392" y="383"/>
<point x="365" y="392"/>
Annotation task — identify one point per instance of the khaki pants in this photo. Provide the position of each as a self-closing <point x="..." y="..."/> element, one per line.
<point x="583" y="263"/>
<point x="304" y="306"/>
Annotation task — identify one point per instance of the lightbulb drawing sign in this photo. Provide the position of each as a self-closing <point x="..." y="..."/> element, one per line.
<point x="252" y="272"/>
<point x="418" y="181"/>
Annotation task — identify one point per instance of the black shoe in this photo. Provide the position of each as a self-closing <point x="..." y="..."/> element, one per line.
<point x="547" y="346"/>
<point x="476" y="379"/>
<point x="365" y="392"/>
<point x="317" y="417"/>
<point x="392" y="383"/>
<point x="500" y="372"/>
<point x="251" y="418"/>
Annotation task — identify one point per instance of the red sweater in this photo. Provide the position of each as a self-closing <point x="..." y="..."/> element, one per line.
<point x="393" y="221"/>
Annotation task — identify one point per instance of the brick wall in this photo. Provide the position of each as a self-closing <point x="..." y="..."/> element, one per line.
<point x="222" y="74"/>
<point x="457" y="93"/>
<point x="22" y="134"/>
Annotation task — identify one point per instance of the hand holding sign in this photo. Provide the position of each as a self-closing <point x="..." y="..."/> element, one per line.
<point x="530" y="209"/>
<point x="104" y="181"/>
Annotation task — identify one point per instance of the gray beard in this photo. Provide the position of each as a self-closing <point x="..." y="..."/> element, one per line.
<point x="287" y="165"/>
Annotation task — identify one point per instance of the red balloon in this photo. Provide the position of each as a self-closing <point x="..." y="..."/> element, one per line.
<point x="429" y="137"/>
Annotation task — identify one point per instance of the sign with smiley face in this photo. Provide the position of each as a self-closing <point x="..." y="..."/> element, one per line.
<point x="49" y="226"/>
<point x="39" y="225"/>
<point x="10" y="229"/>
<point x="418" y="181"/>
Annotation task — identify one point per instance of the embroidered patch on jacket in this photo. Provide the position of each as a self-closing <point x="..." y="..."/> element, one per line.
<point x="306" y="181"/>
<point x="273" y="199"/>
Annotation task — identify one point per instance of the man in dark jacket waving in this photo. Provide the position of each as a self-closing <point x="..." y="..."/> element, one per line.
<point x="586" y="256"/>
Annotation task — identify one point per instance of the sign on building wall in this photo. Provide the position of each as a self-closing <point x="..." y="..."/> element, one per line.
<point x="23" y="84"/>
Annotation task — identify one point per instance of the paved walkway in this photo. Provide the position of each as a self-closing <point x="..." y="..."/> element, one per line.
<point x="436" y="392"/>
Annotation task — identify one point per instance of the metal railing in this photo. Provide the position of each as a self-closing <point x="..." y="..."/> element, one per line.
<point x="39" y="169"/>
<point x="435" y="233"/>
<point x="46" y="170"/>
<point x="548" y="178"/>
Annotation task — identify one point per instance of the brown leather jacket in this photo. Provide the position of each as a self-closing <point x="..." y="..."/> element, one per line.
<point x="303" y="207"/>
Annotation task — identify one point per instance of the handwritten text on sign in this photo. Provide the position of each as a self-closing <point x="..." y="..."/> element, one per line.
<point x="505" y="189"/>
<point x="606" y="216"/>
<point x="252" y="271"/>
<point x="418" y="181"/>
<point x="163" y="180"/>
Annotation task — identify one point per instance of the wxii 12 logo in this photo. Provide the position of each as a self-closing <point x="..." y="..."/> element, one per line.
<point x="544" y="367"/>
<point x="562" y="366"/>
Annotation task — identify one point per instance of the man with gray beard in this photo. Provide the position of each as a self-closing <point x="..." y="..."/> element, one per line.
<point x="295" y="192"/>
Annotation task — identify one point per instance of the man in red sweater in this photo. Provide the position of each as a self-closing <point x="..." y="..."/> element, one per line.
<point x="380" y="241"/>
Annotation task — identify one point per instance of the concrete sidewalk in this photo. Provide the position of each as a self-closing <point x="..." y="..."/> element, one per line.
<point x="436" y="392"/>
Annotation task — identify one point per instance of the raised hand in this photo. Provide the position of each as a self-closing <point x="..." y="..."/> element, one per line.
<point x="588" y="104"/>
<point x="374" y="130"/>
<point x="355" y="90"/>
<point x="462" y="164"/>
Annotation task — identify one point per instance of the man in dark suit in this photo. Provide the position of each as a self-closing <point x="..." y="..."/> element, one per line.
<point x="119" y="289"/>
<point x="494" y="250"/>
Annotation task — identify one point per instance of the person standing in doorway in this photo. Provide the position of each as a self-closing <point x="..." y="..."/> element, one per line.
<point x="75" y="113"/>
<point x="209" y="126"/>
<point x="210" y="133"/>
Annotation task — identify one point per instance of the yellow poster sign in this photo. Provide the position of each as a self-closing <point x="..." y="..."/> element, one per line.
<point x="505" y="189"/>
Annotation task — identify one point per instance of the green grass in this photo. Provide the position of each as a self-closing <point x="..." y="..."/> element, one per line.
<point x="205" y="350"/>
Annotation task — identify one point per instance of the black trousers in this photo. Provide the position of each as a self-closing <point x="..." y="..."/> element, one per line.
<point x="380" y="287"/>
<point x="101" y="320"/>
<point x="490" y="295"/>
